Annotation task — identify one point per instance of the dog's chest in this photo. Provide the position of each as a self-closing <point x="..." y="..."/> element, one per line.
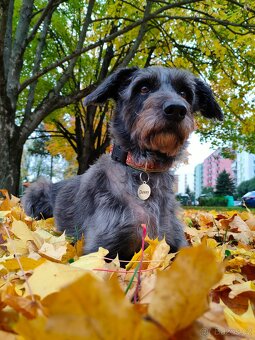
<point x="146" y="212"/>
<point x="149" y="211"/>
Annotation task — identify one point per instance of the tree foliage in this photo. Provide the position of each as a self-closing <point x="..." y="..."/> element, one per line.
<point x="207" y="190"/>
<point x="246" y="186"/>
<point x="52" y="53"/>
<point x="225" y="184"/>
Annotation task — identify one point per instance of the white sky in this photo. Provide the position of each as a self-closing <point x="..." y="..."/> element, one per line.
<point x="198" y="153"/>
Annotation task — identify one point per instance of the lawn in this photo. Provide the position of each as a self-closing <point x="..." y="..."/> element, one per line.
<point x="235" y="208"/>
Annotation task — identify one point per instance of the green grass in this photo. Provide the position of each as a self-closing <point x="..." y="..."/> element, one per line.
<point x="197" y="207"/>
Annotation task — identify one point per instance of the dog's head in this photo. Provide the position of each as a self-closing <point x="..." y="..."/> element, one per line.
<point x="155" y="107"/>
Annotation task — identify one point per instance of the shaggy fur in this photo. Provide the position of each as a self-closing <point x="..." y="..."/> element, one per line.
<point x="153" y="119"/>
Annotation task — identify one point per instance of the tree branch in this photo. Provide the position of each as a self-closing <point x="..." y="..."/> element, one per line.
<point x="49" y="104"/>
<point x="37" y="63"/>
<point x="100" y="42"/>
<point x="8" y="39"/>
<point x="3" y="28"/>
<point x="51" y="6"/>
<point x="16" y="60"/>
<point x="243" y="6"/>
<point x="140" y="36"/>
<point x="80" y="43"/>
<point x="69" y="136"/>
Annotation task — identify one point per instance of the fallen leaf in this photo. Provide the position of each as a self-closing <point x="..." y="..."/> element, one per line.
<point x="205" y="220"/>
<point x="92" y="260"/>
<point x="246" y="235"/>
<point x="26" y="306"/>
<point x="27" y="263"/>
<point x="147" y="287"/>
<point x="21" y="230"/>
<point x="229" y="278"/>
<point x="251" y="222"/>
<point x="181" y="292"/>
<point x="237" y="289"/>
<point x="82" y="311"/>
<point x="244" y="323"/>
<point x="48" y="224"/>
<point x="50" y="277"/>
<point x="147" y="255"/>
<point x="160" y="257"/>
<point x="7" y="336"/>
<point x="52" y="252"/>
<point x="8" y="202"/>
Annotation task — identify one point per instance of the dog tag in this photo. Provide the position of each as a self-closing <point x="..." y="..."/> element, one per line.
<point x="144" y="191"/>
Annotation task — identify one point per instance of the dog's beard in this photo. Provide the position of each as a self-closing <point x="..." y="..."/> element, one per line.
<point x="164" y="142"/>
<point x="156" y="135"/>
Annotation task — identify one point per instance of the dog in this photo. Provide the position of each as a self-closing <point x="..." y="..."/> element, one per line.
<point x="151" y="124"/>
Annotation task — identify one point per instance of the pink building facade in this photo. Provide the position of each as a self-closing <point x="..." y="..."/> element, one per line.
<point x="213" y="165"/>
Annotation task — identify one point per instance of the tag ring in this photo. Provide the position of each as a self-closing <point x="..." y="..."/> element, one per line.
<point x="141" y="177"/>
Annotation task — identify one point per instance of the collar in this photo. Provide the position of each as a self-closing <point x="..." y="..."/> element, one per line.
<point x="124" y="157"/>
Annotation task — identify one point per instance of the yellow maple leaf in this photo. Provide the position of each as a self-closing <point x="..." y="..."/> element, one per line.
<point x="17" y="247"/>
<point x="21" y="230"/>
<point x="160" y="256"/>
<point x="180" y="294"/>
<point x="244" y="323"/>
<point x="93" y="261"/>
<point x="53" y="252"/>
<point x="25" y="305"/>
<point x="8" y="202"/>
<point x="147" y="254"/>
<point x="27" y="263"/>
<point x="4" y="213"/>
<point x="86" y="309"/>
<point x="219" y="251"/>
<point x="150" y="330"/>
<point x="50" y="277"/>
<point x="48" y="224"/>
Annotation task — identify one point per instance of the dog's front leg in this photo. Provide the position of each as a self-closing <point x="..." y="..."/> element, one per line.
<point x="172" y="229"/>
<point x="121" y="239"/>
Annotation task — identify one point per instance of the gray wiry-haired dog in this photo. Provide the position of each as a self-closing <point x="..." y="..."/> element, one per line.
<point x="152" y="122"/>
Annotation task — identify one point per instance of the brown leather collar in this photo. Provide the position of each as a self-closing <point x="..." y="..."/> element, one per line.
<point x="119" y="155"/>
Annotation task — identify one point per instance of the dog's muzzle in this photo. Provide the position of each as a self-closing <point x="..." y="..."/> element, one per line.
<point x="175" y="111"/>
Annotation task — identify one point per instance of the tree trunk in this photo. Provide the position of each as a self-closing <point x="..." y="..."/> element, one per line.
<point x="10" y="163"/>
<point x="88" y="138"/>
<point x="10" y="149"/>
<point x="89" y="154"/>
<point x="83" y="161"/>
<point x="10" y="168"/>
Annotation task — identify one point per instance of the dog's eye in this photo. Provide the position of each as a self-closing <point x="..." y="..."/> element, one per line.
<point x="144" y="90"/>
<point x="183" y="94"/>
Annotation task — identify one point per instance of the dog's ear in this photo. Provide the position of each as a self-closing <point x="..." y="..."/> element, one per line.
<point x="205" y="101"/>
<point x="110" y="87"/>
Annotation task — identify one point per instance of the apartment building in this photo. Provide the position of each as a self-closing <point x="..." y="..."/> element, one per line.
<point x="244" y="166"/>
<point x="198" y="180"/>
<point x="213" y="165"/>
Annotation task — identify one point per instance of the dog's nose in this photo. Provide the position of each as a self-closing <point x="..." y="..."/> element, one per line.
<point x="175" y="111"/>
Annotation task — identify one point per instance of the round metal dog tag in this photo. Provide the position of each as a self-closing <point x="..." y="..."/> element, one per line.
<point x="144" y="191"/>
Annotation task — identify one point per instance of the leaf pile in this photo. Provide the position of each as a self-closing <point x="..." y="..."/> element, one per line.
<point x="49" y="290"/>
